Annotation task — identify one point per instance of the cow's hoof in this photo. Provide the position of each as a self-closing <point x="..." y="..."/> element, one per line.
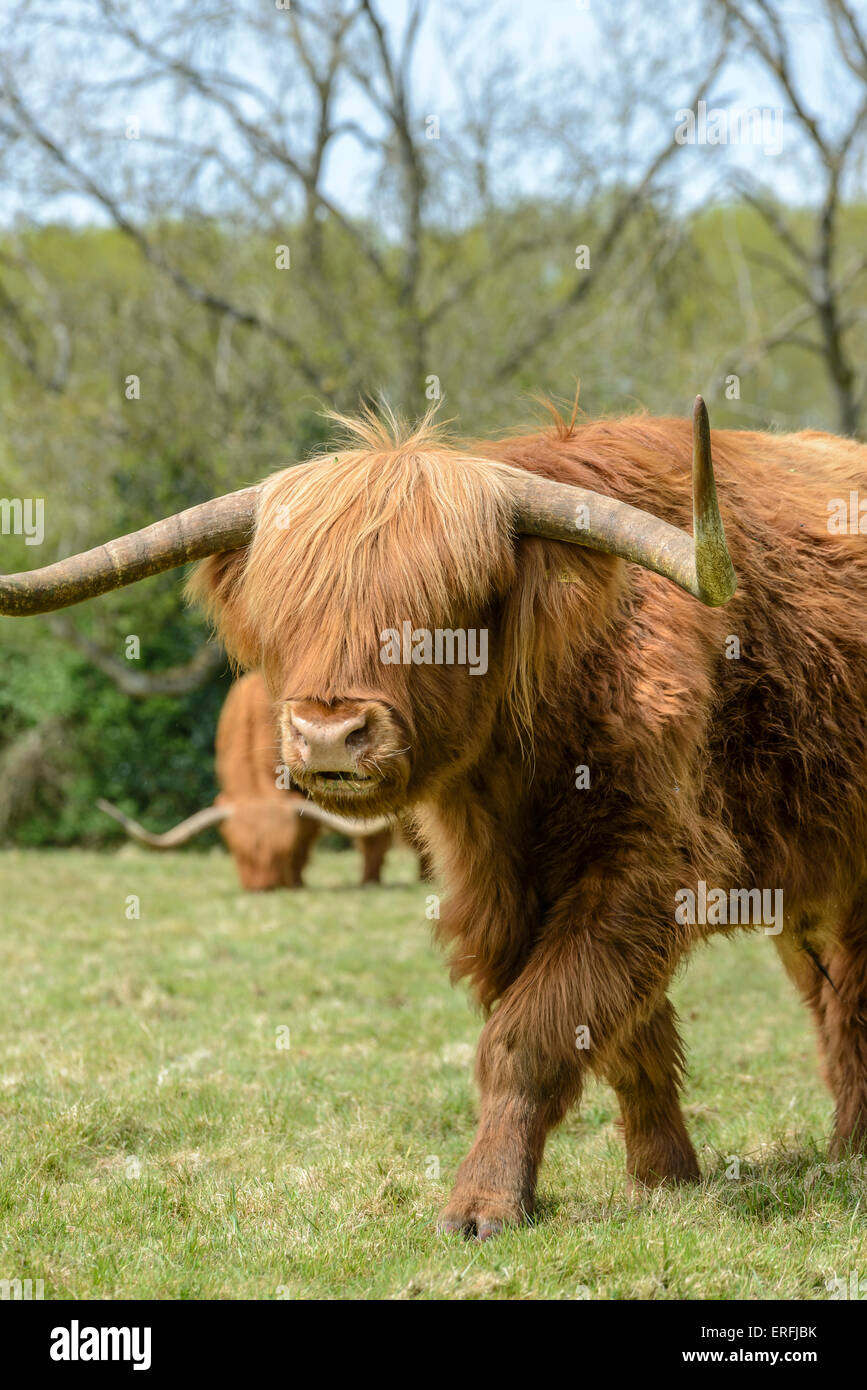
<point x="480" y="1219"/>
<point x="671" y="1171"/>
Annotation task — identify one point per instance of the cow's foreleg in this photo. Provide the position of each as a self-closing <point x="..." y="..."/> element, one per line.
<point x="576" y="1007"/>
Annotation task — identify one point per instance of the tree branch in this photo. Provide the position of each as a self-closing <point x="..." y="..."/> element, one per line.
<point x="174" y="680"/>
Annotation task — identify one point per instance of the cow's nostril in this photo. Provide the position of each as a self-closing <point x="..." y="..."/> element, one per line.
<point x="357" y="738"/>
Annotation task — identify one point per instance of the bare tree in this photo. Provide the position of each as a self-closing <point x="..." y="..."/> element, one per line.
<point x="443" y="261"/>
<point x="815" y="266"/>
<point x="173" y="680"/>
<point x="251" y="143"/>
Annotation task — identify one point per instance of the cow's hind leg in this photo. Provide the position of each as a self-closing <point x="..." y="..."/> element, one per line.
<point x="373" y="848"/>
<point x="646" y="1075"/>
<point x="307" y="832"/>
<point x="830" y="969"/>
<point x="844" y="1029"/>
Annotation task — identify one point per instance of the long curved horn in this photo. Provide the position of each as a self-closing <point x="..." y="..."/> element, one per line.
<point x="700" y="563"/>
<point x="343" y="824"/>
<point x="224" y="523"/>
<point x="178" y="835"/>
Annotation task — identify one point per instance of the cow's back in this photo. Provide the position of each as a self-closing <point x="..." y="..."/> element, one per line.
<point x="769" y="691"/>
<point x="246" y="742"/>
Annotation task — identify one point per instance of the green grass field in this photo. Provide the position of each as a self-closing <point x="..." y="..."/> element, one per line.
<point x="159" y="1142"/>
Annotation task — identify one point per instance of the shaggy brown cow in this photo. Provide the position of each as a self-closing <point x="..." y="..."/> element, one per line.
<point x="626" y="748"/>
<point x="269" y="830"/>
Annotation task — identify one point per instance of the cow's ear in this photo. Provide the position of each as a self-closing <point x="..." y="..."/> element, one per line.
<point x="217" y="587"/>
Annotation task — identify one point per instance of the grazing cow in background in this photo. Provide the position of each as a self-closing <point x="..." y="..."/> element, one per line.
<point x="268" y="830"/>
<point x="628" y="749"/>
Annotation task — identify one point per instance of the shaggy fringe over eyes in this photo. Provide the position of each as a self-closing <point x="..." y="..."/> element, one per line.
<point x="406" y="527"/>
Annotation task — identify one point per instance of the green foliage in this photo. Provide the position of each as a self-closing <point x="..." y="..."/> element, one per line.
<point x="154" y="755"/>
<point x="222" y="405"/>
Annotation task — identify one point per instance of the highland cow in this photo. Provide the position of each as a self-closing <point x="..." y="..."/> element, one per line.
<point x="268" y="828"/>
<point x="630" y="739"/>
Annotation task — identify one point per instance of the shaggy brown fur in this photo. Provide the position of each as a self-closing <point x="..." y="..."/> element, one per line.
<point x="746" y="773"/>
<point x="270" y="849"/>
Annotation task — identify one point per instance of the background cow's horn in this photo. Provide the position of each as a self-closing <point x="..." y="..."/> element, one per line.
<point x="224" y="523"/>
<point x="700" y="563"/>
<point x="346" y="825"/>
<point x="178" y="835"/>
<point x="213" y="815"/>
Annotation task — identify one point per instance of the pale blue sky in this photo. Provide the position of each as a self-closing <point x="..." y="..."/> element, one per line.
<point x="538" y="36"/>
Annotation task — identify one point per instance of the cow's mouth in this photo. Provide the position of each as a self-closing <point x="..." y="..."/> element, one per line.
<point x="351" y="792"/>
<point x="352" y="778"/>
<point x="336" y="787"/>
